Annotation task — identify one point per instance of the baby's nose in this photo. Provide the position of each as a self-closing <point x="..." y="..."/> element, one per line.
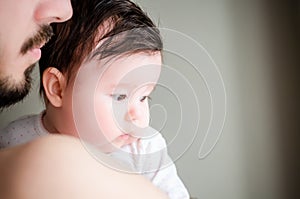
<point x="136" y="116"/>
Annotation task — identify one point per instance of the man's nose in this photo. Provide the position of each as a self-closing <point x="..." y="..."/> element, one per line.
<point x="51" y="11"/>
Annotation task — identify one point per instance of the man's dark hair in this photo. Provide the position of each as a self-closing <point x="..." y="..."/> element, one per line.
<point x="120" y="25"/>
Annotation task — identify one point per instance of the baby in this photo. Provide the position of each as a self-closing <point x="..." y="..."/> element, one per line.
<point x="97" y="74"/>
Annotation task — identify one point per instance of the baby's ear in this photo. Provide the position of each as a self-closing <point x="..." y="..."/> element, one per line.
<point x="54" y="83"/>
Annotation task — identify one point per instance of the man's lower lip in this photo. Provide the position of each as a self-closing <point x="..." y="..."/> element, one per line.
<point x="36" y="53"/>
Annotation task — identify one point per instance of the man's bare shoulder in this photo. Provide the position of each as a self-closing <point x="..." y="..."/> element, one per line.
<point x="57" y="166"/>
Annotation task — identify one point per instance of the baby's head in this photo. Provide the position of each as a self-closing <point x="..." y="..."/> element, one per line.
<point x="115" y="43"/>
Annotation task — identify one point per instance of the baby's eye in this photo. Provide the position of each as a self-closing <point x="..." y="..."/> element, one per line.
<point x="145" y="98"/>
<point x="119" y="97"/>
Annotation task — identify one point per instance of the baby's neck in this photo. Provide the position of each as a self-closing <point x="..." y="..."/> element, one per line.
<point x="48" y="124"/>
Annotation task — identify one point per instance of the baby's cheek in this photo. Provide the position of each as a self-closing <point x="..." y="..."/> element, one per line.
<point x="106" y="122"/>
<point x="146" y="117"/>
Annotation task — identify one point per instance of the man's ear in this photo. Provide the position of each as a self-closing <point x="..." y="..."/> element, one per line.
<point x="54" y="83"/>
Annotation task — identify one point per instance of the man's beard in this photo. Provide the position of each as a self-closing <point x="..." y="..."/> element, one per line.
<point x="11" y="92"/>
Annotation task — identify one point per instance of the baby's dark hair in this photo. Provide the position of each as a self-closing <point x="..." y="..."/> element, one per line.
<point x="120" y="25"/>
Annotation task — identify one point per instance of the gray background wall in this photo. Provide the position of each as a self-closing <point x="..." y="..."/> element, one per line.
<point x="256" y="47"/>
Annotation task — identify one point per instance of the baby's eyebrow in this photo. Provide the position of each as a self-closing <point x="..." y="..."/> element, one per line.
<point x="122" y="85"/>
<point x="147" y="87"/>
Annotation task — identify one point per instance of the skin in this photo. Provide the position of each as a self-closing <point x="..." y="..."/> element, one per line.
<point x="119" y="100"/>
<point x="94" y="181"/>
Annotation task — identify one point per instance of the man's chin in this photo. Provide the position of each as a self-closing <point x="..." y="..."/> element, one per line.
<point x="11" y="97"/>
<point x="12" y="92"/>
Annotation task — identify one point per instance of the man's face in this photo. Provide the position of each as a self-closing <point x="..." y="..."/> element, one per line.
<point x="24" y="29"/>
<point x="118" y="101"/>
